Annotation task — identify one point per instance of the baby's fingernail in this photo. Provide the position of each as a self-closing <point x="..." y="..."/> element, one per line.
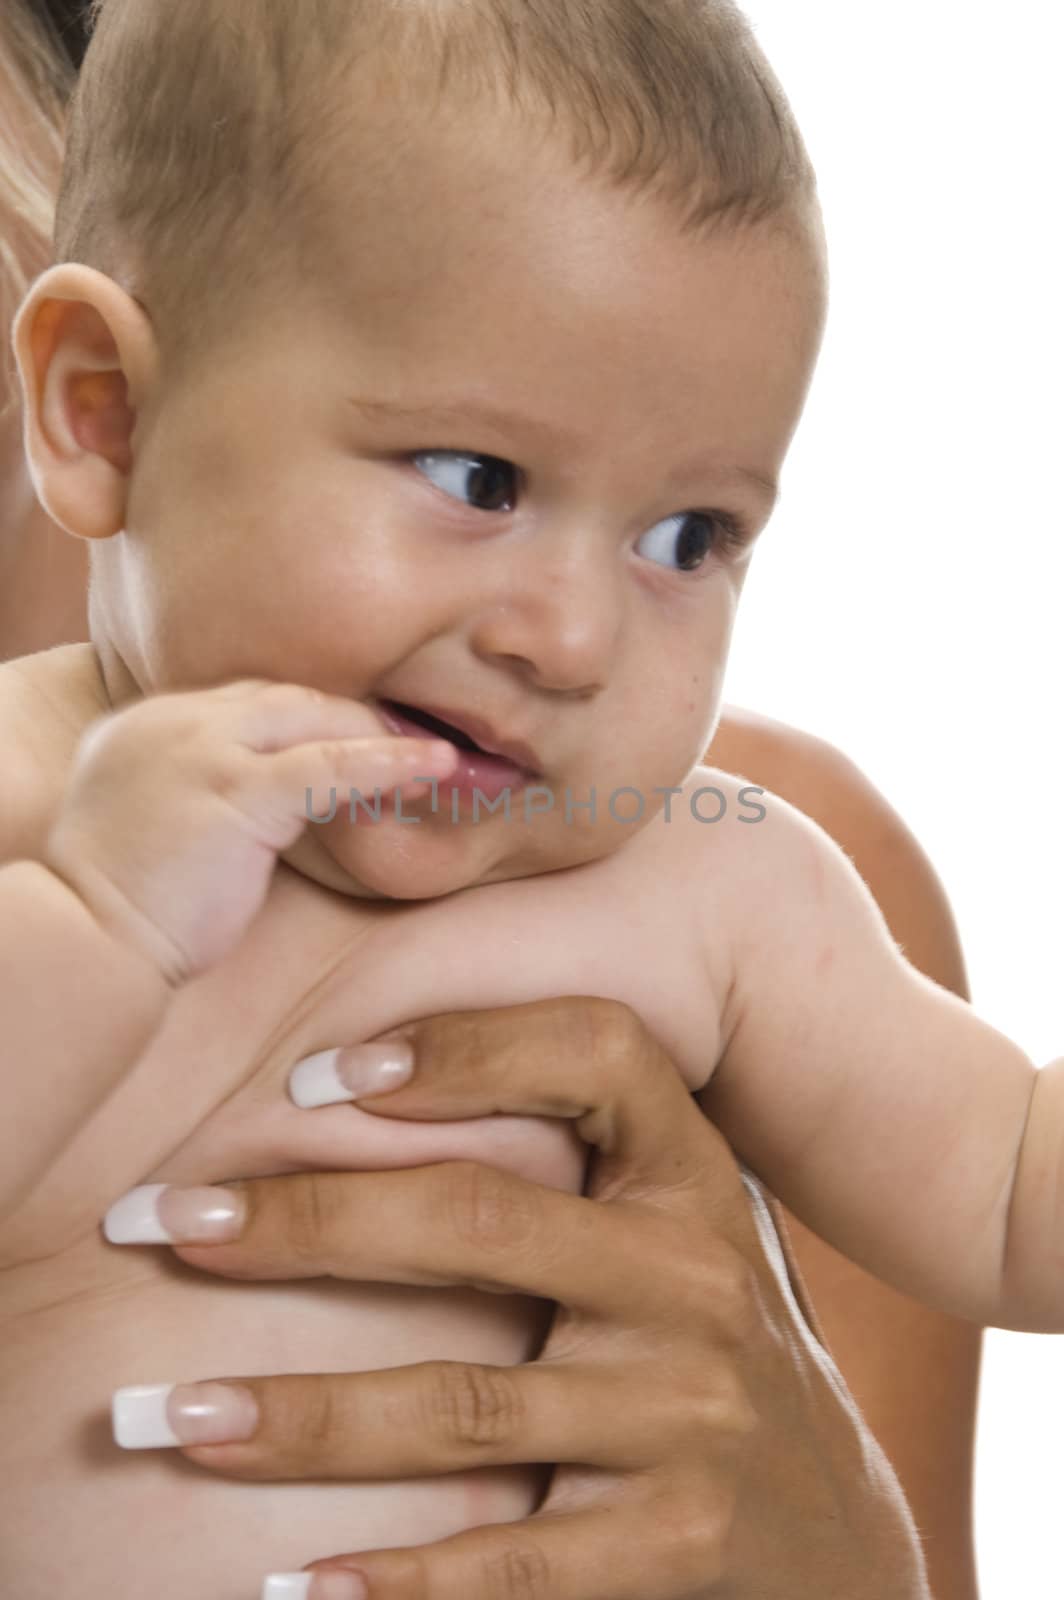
<point x="332" y="1076"/>
<point x="437" y="753"/>
<point x="159" y="1416"/>
<point x="314" y="1586"/>
<point x="159" y="1213"/>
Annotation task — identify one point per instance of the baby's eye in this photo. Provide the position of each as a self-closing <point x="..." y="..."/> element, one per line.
<point x="483" y="481"/>
<point x="683" y="541"/>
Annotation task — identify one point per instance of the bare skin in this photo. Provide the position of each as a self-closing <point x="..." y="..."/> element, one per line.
<point x="43" y="572"/>
<point x="845" y="1523"/>
<point x="913" y="1372"/>
<point x="783" y="1487"/>
<point x="882" y="1530"/>
<point x="922" y="1406"/>
<point x="925" y="1421"/>
<point x="104" y="524"/>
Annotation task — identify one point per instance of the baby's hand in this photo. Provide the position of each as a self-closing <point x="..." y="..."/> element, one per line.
<point x="177" y="807"/>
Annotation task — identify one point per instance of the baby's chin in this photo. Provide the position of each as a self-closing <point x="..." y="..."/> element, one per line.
<point x="389" y="861"/>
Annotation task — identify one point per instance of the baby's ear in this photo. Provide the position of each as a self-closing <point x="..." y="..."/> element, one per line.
<point x="87" y="357"/>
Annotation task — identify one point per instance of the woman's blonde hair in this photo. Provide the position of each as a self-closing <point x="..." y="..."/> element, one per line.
<point x="36" y="81"/>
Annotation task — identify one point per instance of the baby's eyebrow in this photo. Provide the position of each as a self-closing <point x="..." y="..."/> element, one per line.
<point x="472" y="410"/>
<point x="477" y="410"/>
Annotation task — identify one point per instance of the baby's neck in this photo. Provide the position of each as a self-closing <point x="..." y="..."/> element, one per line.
<point x="119" y="685"/>
<point x="43" y="573"/>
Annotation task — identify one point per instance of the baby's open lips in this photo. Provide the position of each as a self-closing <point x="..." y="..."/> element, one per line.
<point x="465" y="731"/>
<point x="425" y="719"/>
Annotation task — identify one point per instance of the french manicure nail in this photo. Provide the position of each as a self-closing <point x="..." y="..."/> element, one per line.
<point x="160" y="1213"/>
<point x="286" y="1586"/>
<point x="160" y="1416"/>
<point x="314" y="1586"/>
<point x="332" y="1076"/>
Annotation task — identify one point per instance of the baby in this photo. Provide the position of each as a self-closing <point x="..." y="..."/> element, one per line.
<point x="419" y="372"/>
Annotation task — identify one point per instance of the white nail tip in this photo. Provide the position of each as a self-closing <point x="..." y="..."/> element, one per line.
<point x="139" y="1418"/>
<point x="316" y="1082"/>
<point x="286" y="1586"/>
<point x="134" y="1219"/>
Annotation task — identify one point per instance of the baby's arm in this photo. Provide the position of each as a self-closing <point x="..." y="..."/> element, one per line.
<point x="908" y="1133"/>
<point x="159" y="858"/>
<point x="79" y="1006"/>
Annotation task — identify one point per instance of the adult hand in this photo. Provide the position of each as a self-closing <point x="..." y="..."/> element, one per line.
<point x="705" y="1445"/>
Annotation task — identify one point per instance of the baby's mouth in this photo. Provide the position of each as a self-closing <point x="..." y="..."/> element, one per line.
<point x="426" y="720"/>
<point x="491" y="754"/>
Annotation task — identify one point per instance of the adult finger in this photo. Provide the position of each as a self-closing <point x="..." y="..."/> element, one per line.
<point x="436" y="1417"/>
<point x="585" y="1058"/>
<point x="455" y="1224"/>
<point x="614" y="1552"/>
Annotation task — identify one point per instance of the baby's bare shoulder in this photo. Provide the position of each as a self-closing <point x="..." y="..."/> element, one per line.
<point x="715" y="828"/>
<point x="739" y="849"/>
<point x="46" y="702"/>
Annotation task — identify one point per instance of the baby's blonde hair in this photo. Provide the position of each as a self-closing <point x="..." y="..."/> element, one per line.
<point x="35" y="84"/>
<point x="201" y="128"/>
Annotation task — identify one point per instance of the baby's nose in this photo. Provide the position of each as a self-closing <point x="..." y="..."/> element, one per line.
<point x="560" y="620"/>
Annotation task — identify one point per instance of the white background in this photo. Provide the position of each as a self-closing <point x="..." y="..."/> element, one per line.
<point x="904" y="603"/>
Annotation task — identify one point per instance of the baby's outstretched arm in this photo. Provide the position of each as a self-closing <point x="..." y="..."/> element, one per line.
<point x="906" y="1131"/>
<point x="159" y="858"/>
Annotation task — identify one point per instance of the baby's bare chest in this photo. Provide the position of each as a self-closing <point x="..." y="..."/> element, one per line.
<point x="207" y="1102"/>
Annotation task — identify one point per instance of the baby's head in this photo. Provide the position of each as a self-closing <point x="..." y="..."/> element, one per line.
<point x="440" y="354"/>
